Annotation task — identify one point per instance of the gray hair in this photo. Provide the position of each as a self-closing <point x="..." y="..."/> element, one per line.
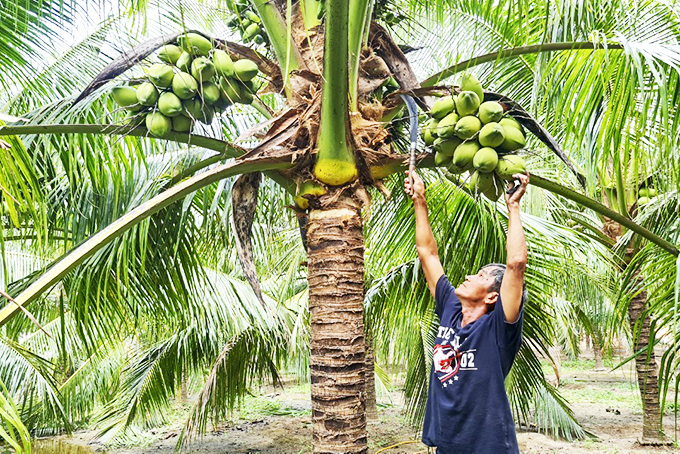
<point x="498" y="271"/>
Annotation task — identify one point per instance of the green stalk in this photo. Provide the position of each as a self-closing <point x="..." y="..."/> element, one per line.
<point x="620" y="187"/>
<point x="358" y="22"/>
<point x="506" y="53"/>
<point x="310" y="13"/>
<point x="225" y="149"/>
<point x="389" y="168"/>
<point x="603" y="210"/>
<point x="335" y="163"/>
<point x="221" y="146"/>
<point x="78" y="255"/>
<point x="287" y="53"/>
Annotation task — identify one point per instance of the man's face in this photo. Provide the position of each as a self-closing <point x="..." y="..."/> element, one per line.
<point x="476" y="286"/>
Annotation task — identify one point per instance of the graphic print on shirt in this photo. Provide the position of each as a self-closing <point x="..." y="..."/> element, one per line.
<point x="448" y="360"/>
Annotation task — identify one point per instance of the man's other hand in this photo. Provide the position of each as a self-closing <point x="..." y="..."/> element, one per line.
<point x="514" y="198"/>
<point x="416" y="188"/>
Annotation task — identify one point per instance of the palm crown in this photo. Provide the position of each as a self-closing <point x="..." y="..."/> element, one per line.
<point x="151" y="217"/>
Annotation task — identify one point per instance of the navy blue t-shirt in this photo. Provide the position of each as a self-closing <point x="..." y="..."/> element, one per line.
<point x="467" y="407"/>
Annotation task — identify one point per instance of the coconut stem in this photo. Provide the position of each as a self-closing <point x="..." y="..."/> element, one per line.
<point x="335" y="163"/>
<point x="506" y="53"/>
<point x="287" y="53"/>
<point x="358" y="22"/>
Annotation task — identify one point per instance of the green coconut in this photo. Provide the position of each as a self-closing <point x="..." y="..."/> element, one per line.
<point x="184" y="85"/>
<point x="210" y="92"/>
<point x="253" y="17"/>
<point x="508" y="121"/>
<point x="442" y="107"/>
<point x="514" y="139"/>
<point x="181" y="123"/>
<point x="195" y="44"/>
<point x="427" y="131"/>
<point x="126" y="97"/>
<point x="467" y="103"/>
<point x="647" y="192"/>
<point x="643" y="201"/>
<point x="467" y="127"/>
<point x="202" y="69"/>
<point x="446" y="127"/>
<point x="470" y="83"/>
<point x="192" y="108"/>
<point x="147" y="94"/>
<point x="494" y="191"/>
<point x="250" y="32"/>
<point x="169" y="54"/>
<point x="197" y="110"/>
<point x="442" y="160"/>
<point x="490" y="111"/>
<point x="169" y="104"/>
<point x="491" y="135"/>
<point x="455" y="169"/>
<point x="233" y="91"/>
<point x="464" y="154"/>
<point x="184" y="62"/>
<point x="161" y="75"/>
<point x="158" y="124"/>
<point x="480" y="182"/>
<point x="509" y="165"/>
<point x="447" y="146"/>
<point x="245" y="69"/>
<point x="224" y="66"/>
<point x="485" y="160"/>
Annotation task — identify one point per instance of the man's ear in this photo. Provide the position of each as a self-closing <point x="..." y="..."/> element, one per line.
<point x="491" y="298"/>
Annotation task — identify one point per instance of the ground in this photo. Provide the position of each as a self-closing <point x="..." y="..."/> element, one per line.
<point x="278" y="422"/>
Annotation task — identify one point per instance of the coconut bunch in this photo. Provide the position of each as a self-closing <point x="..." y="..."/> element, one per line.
<point x="192" y="83"/>
<point x="470" y="135"/>
<point x="247" y="23"/>
<point x="646" y="194"/>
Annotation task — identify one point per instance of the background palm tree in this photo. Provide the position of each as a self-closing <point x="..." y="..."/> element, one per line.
<point x="150" y="274"/>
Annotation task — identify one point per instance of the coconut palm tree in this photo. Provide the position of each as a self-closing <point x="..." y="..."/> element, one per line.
<point x="610" y="75"/>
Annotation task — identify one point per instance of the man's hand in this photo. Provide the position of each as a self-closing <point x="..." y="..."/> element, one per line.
<point x="415" y="189"/>
<point x="512" y="200"/>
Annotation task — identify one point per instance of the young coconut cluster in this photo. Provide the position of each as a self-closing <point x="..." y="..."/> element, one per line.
<point x="470" y="135"/>
<point x="248" y="24"/>
<point x="194" y="82"/>
<point x="645" y="195"/>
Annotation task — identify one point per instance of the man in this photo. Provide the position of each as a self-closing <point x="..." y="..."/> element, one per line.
<point x="479" y="335"/>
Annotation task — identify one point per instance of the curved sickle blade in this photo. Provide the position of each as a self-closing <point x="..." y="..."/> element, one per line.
<point x="243" y="205"/>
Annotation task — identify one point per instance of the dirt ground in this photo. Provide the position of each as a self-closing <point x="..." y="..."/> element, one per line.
<point x="604" y="402"/>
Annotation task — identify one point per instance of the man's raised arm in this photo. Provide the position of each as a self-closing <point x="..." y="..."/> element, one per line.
<point x="425" y="242"/>
<point x="512" y="286"/>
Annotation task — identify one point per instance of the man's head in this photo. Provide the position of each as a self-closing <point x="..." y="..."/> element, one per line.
<point x="485" y="286"/>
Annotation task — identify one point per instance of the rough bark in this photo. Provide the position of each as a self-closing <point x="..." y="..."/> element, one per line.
<point x="371" y="403"/>
<point x="598" y="354"/>
<point x="336" y="276"/>
<point x="645" y="366"/>
<point x="556" y="355"/>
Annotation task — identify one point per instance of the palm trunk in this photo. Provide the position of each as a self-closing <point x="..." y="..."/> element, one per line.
<point x="336" y="292"/>
<point x="598" y="353"/>
<point x="371" y="404"/>
<point x="645" y="365"/>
